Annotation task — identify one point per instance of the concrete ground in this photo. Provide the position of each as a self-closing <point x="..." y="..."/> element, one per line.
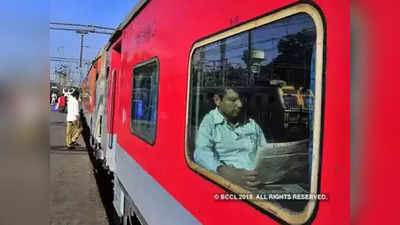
<point x="77" y="193"/>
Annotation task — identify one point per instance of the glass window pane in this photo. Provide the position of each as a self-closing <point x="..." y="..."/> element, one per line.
<point x="251" y="107"/>
<point x="144" y="101"/>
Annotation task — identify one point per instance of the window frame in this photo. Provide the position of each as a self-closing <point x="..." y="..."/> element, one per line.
<point x="316" y="15"/>
<point x="140" y="136"/>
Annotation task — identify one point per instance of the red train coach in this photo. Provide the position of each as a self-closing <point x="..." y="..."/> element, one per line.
<point x="175" y="68"/>
<point x="88" y="87"/>
<point x="92" y="94"/>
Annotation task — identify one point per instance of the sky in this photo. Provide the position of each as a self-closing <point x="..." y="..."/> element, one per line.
<point x="94" y="12"/>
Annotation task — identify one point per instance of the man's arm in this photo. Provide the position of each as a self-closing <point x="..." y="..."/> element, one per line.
<point x="204" y="153"/>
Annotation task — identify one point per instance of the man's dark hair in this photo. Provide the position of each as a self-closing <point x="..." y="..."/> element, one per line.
<point x="75" y="94"/>
<point x="221" y="92"/>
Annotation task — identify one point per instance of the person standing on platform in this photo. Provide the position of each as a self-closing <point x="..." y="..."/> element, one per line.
<point x="53" y="98"/>
<point x="73" y="130"/>
<point x="61" y="104"/>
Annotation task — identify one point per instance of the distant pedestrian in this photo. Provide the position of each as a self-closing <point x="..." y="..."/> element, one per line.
<point x="74" y="129"/>
<point x="61" y="104"/>
<point x="53" y="98"/>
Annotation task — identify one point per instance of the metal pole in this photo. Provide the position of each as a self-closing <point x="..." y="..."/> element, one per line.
<point x="80" y="58"/>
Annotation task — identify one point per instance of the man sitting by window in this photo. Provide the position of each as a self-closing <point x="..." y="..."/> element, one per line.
<point x="226" y="143"/>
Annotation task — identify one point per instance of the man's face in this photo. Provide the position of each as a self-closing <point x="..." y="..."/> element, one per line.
<point x="230" y="105"/>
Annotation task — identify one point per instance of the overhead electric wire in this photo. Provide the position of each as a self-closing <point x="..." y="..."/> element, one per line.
<point x="81" y="25"/>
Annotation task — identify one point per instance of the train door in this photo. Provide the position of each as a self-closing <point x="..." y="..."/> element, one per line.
<point x="112" y="108"/>
<point x="103" y="119"/>
<point x="112" y="105"/>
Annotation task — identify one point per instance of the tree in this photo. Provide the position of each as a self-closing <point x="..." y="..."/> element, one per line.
<point x="294" y="58"/>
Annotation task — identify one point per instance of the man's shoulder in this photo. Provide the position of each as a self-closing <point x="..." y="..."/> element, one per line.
<point x="207" y="119"/>
<point x="252" y="123"/>
<point x="207" y="122"/>
<point x="212" y="117"/>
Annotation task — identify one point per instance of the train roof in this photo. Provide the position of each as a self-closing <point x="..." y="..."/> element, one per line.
<point x="128" y="18"/>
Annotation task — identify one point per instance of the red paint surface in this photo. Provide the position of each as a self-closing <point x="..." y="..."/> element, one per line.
<point x="169" y="35"/>
<point x="378" y="173"/>
<point x="113" y="88"/>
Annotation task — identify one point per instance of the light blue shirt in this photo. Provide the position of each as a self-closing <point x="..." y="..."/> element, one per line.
<point x="219" y="143"/>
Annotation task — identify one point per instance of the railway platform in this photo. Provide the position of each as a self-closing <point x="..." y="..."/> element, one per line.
<point x="78" y="195"/>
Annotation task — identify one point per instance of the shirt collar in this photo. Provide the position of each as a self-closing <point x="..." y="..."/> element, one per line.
<point x="217" y="116"/>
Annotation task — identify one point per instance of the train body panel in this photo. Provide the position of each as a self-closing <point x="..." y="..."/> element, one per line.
<point x="167" y="37"/>
<point x="88" y="87"/>
<point x="113" y="86"/>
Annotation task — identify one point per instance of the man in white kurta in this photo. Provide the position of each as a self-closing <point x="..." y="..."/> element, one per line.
<point x="73" y="127"/>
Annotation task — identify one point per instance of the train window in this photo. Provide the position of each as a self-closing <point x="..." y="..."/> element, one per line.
<point x="254" y="110"/>
<point x="144" y="100"/>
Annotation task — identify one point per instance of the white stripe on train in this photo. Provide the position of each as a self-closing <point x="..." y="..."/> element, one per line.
<point x="155" y="204"/>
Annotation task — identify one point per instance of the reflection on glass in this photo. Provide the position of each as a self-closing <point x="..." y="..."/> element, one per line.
<point x="251" y="107"/>
<point x="144" y="101"/>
